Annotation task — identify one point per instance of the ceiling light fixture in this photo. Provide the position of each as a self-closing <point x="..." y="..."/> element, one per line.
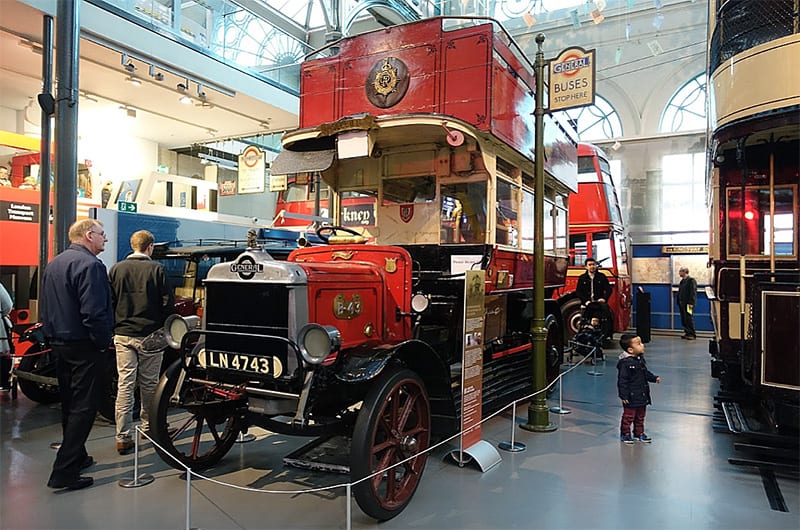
<point x="134" y="81"/>
<point x="183" y="88"/>
<point x="201" y="93"/>
<point x="127" y="64"/>
<point x="158" y="76"/>
<point x="131" y="112"/>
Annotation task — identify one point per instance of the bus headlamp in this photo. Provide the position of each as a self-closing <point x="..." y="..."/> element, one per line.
<point x="176" y="326"/>
<point x="316" y="342"/>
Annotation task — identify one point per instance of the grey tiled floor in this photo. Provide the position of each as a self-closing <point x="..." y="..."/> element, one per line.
<point x="578" y="477"/>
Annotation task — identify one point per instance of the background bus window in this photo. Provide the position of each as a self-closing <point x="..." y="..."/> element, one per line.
<point x="601" y="248"/>
<point x="622" y="254"/>
<point x="577" y="250"/>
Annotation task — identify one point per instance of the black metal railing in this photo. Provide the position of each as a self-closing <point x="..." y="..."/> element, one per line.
<point x="744" y="24"/>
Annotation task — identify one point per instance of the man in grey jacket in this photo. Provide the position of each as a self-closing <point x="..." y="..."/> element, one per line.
<point x="142" y="302"/>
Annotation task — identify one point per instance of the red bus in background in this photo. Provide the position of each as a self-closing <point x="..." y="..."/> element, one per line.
<point x="296" y="205"/>
<point x="596" y="231"/>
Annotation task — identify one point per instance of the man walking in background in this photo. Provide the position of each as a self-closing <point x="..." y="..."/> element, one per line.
<point x="142" y="301"/>
<point x="687" y="297"/>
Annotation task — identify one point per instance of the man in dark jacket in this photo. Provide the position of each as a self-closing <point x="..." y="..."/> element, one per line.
<point x="78" y="323"/>
<point x="687" y="297"/>
<point x="593" y="286"/>
<point x="142" y="301"/>
<point x="633" y="388"/>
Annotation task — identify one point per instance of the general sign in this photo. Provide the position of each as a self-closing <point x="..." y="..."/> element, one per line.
<point x="251" y="170"/>
<point x="572" y="79"/>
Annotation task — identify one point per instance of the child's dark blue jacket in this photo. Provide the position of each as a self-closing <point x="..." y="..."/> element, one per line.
<point x="632" y="380"/>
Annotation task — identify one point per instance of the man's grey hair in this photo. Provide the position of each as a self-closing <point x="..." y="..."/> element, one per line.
<point x="684" y="269"/>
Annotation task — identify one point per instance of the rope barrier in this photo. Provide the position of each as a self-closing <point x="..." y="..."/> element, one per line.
<point x="346" y="485"/>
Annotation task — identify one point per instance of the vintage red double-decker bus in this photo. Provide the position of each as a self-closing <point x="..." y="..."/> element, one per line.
<point x="433" y="121"/>
<point x="596" y="230"/>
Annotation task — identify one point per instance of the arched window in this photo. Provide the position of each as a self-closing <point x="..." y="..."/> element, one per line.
<point x="686" y="110"/>
<point x="597" y="122"/>
<point x="250" y="41"/>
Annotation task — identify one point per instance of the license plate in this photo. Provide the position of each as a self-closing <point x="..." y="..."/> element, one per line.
<point x="243" y="362"/>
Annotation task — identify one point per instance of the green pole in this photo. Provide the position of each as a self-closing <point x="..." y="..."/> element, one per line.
<point x="538" y="413"/>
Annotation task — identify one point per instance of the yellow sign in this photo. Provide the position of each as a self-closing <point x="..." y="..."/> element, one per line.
<point x="685" y="249"/>
<point x="571" y="79"/>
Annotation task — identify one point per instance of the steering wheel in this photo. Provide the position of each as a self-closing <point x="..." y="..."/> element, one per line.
<point x="324" y="232"/>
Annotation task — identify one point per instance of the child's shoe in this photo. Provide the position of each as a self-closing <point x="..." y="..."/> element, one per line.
<point x="644" y="439"/>
<point x="626" y="439"/>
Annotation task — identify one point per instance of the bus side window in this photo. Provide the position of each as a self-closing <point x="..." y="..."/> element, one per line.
<point x="577" y="249"/>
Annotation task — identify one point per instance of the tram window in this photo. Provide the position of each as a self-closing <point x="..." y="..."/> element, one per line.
<point x="507" y="229"/>
<point x="549" y="226"/>
<point x="527" y="220"/>
<point x="784" y="234"/>
<point x="463" y="212"/>
<point x="750" y="219"/>
<point x="408" y="190"/>
<point x="562" y="229"/>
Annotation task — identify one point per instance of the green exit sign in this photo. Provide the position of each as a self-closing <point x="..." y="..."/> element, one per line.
<point x="123" y="206"/>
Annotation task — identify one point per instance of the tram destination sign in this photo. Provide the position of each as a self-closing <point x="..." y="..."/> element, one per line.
<point x="572" y="76"/>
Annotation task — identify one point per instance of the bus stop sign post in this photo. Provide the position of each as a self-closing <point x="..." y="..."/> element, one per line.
<point x="538" y="413"/>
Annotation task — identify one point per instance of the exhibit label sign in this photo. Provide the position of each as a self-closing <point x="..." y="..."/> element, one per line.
<point x="472" y="365"/>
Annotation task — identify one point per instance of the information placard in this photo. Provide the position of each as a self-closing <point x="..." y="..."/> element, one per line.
<point x="472" y="364"/>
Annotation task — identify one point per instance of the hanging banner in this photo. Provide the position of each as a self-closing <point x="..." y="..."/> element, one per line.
<point x="571" y="78"/>
<point x="251" y="170"/>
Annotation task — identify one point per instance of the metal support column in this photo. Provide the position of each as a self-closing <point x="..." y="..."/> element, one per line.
<point x="66" y="178"/>
<point x="46" y="104"/>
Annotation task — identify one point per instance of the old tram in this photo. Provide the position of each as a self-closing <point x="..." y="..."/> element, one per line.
<point x="365" y="335"/>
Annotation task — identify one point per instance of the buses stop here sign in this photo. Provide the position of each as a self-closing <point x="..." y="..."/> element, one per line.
<point x="571" y="79"/>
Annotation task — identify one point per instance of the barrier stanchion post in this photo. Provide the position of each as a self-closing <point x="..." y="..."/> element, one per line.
<point x="593" y="371"/>
<point x="512" y="446"/>
<point x="560" y="408"/>
<point x="245" y="437"/>
<point x="188" y="499"/>
<point x="349" y="515"/>
<point x="138" y="480"/>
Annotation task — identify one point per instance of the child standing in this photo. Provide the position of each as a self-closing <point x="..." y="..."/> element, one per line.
<point x="633" y="380"/>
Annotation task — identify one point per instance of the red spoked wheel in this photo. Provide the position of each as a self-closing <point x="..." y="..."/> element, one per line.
<point x="193" y="424"/>
<point x="392" y="425"/>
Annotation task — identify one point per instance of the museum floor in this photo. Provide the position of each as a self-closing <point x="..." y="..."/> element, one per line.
<point x="578" y="477"/>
